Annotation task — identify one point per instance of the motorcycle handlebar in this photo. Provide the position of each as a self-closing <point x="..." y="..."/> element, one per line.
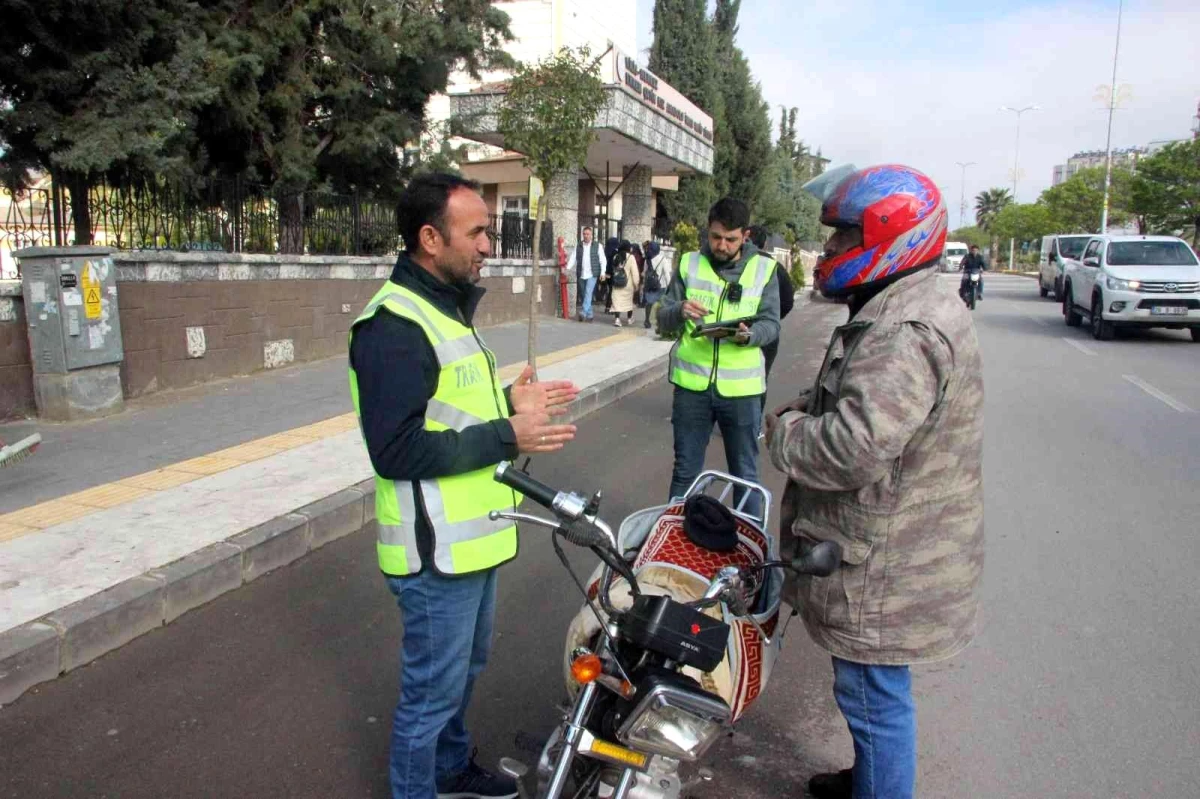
<point x="521" y="482"/>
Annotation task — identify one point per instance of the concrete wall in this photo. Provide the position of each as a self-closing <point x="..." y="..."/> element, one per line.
<point x="188" y="318"/>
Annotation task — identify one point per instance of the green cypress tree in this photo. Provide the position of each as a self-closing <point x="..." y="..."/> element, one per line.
<point x="683" y="54"/>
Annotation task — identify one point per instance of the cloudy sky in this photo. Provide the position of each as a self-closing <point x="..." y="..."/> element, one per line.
<point x="922" y="82"/>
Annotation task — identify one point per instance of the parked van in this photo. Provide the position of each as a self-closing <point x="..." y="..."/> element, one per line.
<point x="1050" y="262"/>
<point x="952" y="256"/>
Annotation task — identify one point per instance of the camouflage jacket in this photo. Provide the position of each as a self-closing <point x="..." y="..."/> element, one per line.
<point x="886" y="459"/>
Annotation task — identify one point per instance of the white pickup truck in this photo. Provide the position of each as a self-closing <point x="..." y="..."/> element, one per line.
<point x="1133" y="281"/>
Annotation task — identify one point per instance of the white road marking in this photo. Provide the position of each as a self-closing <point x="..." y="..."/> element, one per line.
<point x="1085" y="349"/>
<point x="1040" y="320"/>
<point x="1158" y="395"/>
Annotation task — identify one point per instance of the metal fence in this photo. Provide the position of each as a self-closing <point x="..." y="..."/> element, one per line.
<point x="603" y="227"/>
<point x="512" y="237"/>
<point x="227" y="216"/>
<point x="661" y="230"/>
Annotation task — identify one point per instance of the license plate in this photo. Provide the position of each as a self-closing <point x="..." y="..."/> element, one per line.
<point x="1168" y="310"/>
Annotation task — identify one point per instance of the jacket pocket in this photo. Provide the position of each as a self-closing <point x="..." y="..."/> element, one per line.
<point x="837" y="600"/>
<point x="845" y="592"/>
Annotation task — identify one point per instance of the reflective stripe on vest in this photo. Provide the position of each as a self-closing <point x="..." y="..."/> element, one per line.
<point x="740" y="371"/>
<point x="457" y="507"/>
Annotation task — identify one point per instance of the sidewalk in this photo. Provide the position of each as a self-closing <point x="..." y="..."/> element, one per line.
<point x="164" y="429"/>
<point x="121" y="525"/>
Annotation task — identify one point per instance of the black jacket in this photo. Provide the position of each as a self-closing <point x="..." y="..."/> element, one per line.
<point x="398" y="374"/>
<point x="787" y="292"/>
<point x="973" y="261"/>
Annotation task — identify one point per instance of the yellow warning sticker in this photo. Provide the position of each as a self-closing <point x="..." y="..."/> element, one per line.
<point x="91" y="291"/>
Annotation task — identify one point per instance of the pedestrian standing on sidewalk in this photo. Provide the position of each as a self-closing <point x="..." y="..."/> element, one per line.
<point x="436" y="423"/>
<point x="787" y="299"/>
<point x="720" y="376"/>
<point x="625" y="288"/>
<point x="589" y="266"/>
<point x="652" y="278"/>
<point x="883" y="456"/>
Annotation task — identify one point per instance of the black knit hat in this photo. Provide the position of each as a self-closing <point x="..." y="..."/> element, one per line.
<point x="709" y="524"/>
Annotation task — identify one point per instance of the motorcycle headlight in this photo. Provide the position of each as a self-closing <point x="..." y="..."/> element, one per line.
<point x="674" y="719"/>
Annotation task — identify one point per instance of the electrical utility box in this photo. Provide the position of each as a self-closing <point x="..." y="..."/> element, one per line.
<point x="74" y="330"/>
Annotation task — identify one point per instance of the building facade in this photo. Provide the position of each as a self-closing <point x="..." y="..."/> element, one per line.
<point x="647" y="135"/>
<point x="1126" y="158"/>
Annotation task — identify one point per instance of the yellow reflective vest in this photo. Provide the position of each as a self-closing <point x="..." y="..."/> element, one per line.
<point x="698" y="362"/>
<point x="457" y="506"/>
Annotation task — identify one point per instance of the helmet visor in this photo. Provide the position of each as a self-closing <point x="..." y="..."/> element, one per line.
<point x="824" y="185"/>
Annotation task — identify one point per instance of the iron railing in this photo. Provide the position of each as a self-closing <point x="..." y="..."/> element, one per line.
<point x="603" y="227"/>
<point x="512" y="236"/>
<point x="228" y="216"/>
<point x="660" y="231"/>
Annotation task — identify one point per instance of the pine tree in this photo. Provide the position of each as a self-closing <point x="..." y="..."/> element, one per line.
<point x="746" y="129"/>
<point x="683" y="54"/>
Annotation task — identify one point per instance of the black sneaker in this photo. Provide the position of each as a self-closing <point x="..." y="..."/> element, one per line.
<point x="834" y="785"/>
<point x="476" y="782"/>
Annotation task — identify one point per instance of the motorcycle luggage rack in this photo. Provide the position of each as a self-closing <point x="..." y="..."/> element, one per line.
<point x="730" y="483"/>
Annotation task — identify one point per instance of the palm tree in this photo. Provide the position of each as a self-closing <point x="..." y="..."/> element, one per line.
<point x="987" y="205"/>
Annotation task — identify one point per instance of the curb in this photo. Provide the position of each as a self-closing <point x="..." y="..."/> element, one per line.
<point x="77" y="634"/>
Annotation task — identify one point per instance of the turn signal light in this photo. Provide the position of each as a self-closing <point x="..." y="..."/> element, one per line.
<point x="586" y="668"/>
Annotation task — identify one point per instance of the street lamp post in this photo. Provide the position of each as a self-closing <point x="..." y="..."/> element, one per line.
<point x="1017" y="145"/>
<point x="1112" y="104"/>
<point x="1016" y="167"/>
<point x="962" y="200"/>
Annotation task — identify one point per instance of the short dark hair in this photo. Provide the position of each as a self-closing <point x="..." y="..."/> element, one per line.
<point x="733" y="214"/>
<point x="587" y="228"/>
<point x="758" y="236"/>
<point x="973" y="247"/>
<point x="423" y="202"/>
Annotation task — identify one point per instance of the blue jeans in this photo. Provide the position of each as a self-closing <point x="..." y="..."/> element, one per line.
<point x="692" y="416"/>
<point x="589" y="290"/>
<point x="447" y="637"/>
<point x="879" y="709"/>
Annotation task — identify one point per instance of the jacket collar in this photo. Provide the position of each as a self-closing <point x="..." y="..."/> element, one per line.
<point x="874" y="307"/>
<point x="459" y="302"/>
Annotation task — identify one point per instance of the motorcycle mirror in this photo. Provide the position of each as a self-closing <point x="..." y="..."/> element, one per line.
<point x="819" y="561"/>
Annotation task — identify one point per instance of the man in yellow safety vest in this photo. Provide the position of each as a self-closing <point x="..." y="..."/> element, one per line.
<point x="719" y="372"/>
<point x="436" y="423"/>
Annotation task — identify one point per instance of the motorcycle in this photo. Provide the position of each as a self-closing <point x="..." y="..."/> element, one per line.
<point x="673" y="644"/>
<point x="969" y="289"/>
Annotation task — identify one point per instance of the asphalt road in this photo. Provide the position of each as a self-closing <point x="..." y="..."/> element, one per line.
<point x="1082" y="682"/>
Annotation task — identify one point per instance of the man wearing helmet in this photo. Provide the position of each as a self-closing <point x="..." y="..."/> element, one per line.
<point x="883" y="456"/>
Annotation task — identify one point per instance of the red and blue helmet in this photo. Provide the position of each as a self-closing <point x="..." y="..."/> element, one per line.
<point x="903" y="221"/>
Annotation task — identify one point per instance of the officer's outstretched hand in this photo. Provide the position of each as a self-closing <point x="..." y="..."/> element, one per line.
<point x="548" y="396"/>
<point x="535" y="434"/>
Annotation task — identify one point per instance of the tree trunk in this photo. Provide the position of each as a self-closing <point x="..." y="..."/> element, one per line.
<point x="540" y="217"/>
<point x="81" y="212"/>
<point x="291" y="223"/>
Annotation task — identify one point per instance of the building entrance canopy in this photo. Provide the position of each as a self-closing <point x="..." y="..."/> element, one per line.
<point x="645" y="122"/>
